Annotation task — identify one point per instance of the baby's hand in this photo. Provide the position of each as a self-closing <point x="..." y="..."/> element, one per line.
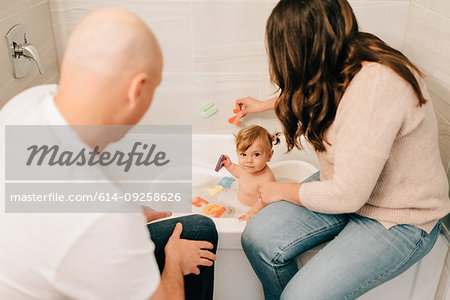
<point x="247" y="216"/>
<point x="227" y="162"/>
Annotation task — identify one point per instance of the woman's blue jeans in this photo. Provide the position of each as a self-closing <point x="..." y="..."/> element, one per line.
<point x="362" y="253"/>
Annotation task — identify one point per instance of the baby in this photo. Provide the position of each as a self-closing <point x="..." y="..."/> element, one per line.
<point x="254" y="150"/>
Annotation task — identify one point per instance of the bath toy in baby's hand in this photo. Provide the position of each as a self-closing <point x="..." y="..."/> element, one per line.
<point x="219" y="164"/>
<point x="235" y="119"/>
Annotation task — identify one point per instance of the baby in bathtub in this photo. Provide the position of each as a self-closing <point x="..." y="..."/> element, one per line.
<point x="254" y="150"/>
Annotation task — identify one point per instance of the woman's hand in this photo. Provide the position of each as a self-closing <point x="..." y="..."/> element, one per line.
<point x="270" y="192"/>
<point x="252" y="105"/>
<point x="249" y="105"/>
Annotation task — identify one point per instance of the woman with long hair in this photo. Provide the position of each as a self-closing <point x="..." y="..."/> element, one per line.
<point x="382" y="189"/>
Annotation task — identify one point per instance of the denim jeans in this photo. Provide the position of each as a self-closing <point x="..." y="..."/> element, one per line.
<point x="195" y="227"/>
<point x="362" y="253"/>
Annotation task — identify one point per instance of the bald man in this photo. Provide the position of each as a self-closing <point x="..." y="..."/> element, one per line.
<point x="109" y="73"/>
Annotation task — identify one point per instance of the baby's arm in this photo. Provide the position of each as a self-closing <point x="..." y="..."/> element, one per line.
<point x="234" y="169"/>
<point x="258" y="204"/>
<point x="253" y="210"/>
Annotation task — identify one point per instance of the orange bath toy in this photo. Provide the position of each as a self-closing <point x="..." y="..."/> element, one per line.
<point x="197" y="201"/>
<point x="235" y="119"/>
<point x="215" y="210"/>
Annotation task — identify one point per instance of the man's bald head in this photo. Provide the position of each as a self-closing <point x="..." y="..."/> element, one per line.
<point x="112" y="42"/>
<point x="110" y="70"/>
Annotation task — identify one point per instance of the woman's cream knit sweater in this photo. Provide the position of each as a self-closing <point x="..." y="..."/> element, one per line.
<point x="383" y="162"/>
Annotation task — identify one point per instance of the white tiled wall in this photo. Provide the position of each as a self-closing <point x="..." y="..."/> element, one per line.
<point x="214" y="50"/>
<point x="427" y="44"/>
<point x="35" y="16"/>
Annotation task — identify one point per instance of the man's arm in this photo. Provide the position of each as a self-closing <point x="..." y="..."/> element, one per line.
<point x="172" y="283"/>
<point x="112" y="257"/>
<point x="152" y="215"/>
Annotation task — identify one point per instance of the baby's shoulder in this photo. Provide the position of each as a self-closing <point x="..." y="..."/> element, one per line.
<point x="267" y="175"/>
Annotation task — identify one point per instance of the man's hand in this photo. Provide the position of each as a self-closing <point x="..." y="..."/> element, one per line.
<point x="188" y="254"/>
<point x="153" y="215"/>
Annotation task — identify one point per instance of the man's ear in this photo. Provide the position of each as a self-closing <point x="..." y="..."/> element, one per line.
<point x="136" y="87"/>
<point x="270" y="155"/>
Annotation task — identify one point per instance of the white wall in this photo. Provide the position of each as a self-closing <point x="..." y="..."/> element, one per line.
<point x="214" y="50"/>
<point x="427" y="44"/>
<point x="35" y="16"/>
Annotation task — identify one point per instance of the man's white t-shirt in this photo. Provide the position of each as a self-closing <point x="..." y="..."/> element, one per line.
<point x="69" y="256"/>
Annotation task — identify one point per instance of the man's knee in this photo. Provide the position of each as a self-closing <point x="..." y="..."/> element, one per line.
<point x="201" y="228"/>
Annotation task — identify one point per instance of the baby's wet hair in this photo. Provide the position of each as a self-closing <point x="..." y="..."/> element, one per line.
<point x="249" y="135"/>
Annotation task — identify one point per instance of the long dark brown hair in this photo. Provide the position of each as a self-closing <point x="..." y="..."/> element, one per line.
<point x="315" y="49"/>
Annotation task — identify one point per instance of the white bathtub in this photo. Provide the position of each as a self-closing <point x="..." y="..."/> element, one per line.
<point x="234" y="277"/>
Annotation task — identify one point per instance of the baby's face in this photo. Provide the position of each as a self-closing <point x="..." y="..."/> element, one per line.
<point x="254" y="159"/>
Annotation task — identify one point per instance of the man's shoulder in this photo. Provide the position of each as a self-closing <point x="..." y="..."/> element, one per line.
<point x="25" y="107"/>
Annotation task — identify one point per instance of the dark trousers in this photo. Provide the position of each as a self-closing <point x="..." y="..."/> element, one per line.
<point x="195" y="227"/>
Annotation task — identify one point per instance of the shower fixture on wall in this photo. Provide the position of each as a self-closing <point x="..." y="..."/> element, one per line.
<point x="22" y="54"/>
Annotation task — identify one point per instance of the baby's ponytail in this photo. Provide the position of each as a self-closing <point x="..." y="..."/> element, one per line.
<point x="275" y="138"/>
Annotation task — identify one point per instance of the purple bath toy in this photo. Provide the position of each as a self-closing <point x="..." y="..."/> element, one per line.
<point x="219" y="164"/>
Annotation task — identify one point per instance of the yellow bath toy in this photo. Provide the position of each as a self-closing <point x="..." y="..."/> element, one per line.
<point x="214" y="191"/>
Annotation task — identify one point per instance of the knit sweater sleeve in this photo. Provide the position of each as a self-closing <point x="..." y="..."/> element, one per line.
<point x="369" y="119"/>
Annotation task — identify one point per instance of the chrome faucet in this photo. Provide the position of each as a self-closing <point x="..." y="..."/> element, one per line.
<point x="22" y="53"/>
<point x="28" y="51"/>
